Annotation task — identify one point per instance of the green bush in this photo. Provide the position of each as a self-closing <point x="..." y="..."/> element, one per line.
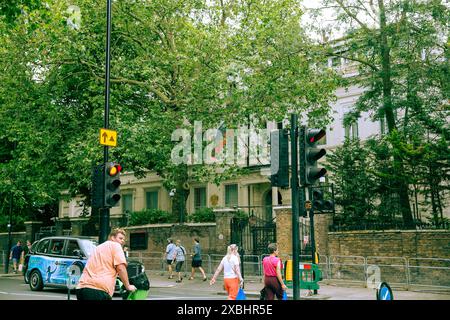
<point x="240" y="214"/>
<point x="150" y="216"/>
<point x="202" y="215"/>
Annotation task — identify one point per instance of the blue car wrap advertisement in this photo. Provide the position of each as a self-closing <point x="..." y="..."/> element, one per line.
<point x="57" y="270"/>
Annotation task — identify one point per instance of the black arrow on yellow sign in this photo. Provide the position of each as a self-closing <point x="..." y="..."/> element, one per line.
<point x="108" y="137"/>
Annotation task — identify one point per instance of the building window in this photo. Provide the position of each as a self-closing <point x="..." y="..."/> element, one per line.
<point x="151" y="199"/>
<point x="138" y="241"/>
<point x="199" y="198"/>
<point x="231" y="195"/>
<point x="351" y="131"/>
<point x="127" y="203"/>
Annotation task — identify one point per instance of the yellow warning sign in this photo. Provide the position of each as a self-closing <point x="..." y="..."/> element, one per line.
<point x="108" y="137"/>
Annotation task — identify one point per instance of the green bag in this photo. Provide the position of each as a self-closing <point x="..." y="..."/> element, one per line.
<point x="138" y="295"/>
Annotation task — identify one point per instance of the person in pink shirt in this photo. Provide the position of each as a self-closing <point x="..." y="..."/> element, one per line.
<point x="273" y="281"/>
<point x="106" y="262"/>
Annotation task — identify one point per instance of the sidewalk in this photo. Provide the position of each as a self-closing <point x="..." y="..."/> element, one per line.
<point x="326" y="291"/>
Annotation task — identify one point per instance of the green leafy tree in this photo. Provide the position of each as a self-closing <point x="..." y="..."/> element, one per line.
<point x="172" y="63"/>
<point x="354" y="185"/>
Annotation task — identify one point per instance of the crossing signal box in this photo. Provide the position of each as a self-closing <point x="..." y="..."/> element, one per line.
<point x="310" y="154"/>
<point x="98" y="183"/>
<point x="279" y="158"/>
<point x="112" y="184"/>
<point x="319" y="204"/>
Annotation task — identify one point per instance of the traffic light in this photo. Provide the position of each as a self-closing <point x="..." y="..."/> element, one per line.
<point x="112" y="184"/>
<point x="309" y="154"/>
<point x="98" y="186"/>
<point x="319" y="204"/>
<point x="279" y="158"/>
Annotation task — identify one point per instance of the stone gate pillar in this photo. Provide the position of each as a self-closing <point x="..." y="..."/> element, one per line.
<point x="223" y="228"/>
<point x="284" y="229"/>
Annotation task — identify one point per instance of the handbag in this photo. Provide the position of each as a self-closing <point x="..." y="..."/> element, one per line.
<point x="241" y="295"/>
<point x="262" y="294"/>
<point x="285" y="297"/>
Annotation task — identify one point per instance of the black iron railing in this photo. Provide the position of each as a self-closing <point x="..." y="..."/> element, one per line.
<point x="337" y="226"/>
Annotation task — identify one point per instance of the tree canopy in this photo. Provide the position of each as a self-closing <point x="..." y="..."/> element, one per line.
<point x="172" y="63"/>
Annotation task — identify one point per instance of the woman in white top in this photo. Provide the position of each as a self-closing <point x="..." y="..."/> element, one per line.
<point x="232" y="278"/>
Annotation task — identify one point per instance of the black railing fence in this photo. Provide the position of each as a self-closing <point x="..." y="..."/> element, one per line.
<point x="340" y="226"/>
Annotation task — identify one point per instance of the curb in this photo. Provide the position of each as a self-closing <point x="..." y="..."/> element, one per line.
<point x="254" y="294"/>
<point x="10" y="275"/>
<point x="158" y="286"/>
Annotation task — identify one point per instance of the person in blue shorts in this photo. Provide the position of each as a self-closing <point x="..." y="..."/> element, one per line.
<point x="15" y="255"/>
<point x="170" y="253"/>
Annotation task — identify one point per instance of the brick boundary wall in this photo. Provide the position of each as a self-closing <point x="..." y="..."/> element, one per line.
<point x="391" y="243"/>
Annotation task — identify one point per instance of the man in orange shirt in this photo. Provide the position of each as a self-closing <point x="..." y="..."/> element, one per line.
<point x="106" y="262"/>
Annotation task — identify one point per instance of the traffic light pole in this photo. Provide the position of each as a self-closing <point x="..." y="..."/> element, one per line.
<point x="295" y="207"/>
<point x="8" y="251"/>
<point x="104" y="212"/>
<point x="311" y="234"/>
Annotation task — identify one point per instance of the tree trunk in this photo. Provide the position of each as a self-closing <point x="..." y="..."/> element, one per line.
<point x="389" y="113"/>
<point x="179" y="208"/>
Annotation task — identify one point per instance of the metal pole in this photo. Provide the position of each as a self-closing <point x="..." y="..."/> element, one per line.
<point x="295" y="209"/>
<point x="104" y="212"/>
<point x="313" y="242"/>
<point x="9" y="234"/>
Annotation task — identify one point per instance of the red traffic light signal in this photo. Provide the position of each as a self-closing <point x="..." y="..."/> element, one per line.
<point x="311" y="172"/>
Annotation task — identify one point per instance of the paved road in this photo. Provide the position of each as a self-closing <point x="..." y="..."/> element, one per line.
<point x="13" y="288"/>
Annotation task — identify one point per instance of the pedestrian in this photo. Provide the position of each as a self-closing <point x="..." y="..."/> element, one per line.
<point x="232" y="278"/>
<point x="179" y="256"/>
<point x="170" y="251"/>
<point x="27" y="248"/>
<point x="273" y="281"/>
<point x="15" y="255"/>
<point x="106" y="262"/>
<point x="197" y="260"/>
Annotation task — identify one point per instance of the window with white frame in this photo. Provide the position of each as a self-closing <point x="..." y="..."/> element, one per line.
<point x="351" y="130"/>
<point x="199" y="198"/>
<point x="151" y="199"/>
<point x="127" y="202"/>
<point x="231" y="195"/>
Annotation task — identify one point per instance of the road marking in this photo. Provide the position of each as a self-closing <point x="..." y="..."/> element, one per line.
<point x="32" y="294"/>
<point x="179" y="298"/>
